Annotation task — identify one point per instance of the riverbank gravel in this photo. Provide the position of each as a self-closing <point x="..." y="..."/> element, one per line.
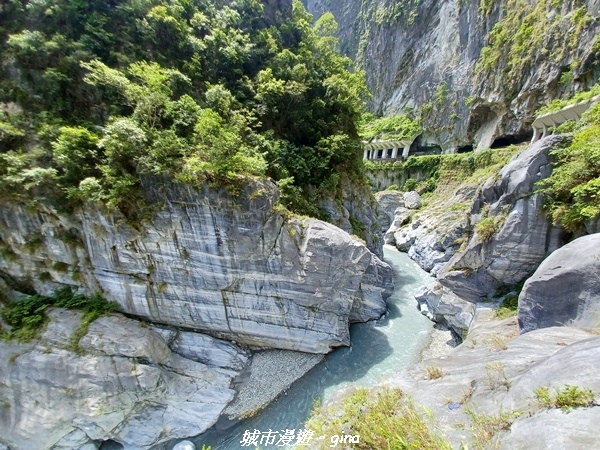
<point x="440" y="343"/>
<point x="271" y="373"/>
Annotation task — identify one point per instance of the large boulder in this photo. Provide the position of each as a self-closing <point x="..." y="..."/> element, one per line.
<point x="123" y="382"/>
<point x="443" y="306"/>
<point x="388" y="202"/>
<point x="565" y="289"/>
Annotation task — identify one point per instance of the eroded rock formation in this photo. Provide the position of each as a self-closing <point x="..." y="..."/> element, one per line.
<point x="206" y="260"/>
<point x="123" y="383"/>
<point x="565" y="289"/>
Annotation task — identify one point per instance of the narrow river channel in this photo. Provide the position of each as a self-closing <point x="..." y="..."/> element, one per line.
<point x="379" y="350"/>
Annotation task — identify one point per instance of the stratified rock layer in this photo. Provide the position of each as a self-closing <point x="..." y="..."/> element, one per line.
<point x="565" y="289"/>
<point x="206" y="260"/>
<point x="123" y="383"/>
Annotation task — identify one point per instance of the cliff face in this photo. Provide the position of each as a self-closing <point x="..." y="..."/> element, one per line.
<point x="205" y="260"/>
<point x="482" y="239"/>
<point x="125" y="384"/>
<point x="473" y="72"/>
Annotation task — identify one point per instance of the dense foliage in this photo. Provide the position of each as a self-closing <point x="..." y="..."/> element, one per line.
<point x="525" y="37"/>
<point x="573" y="190"/>
<point x="395" y="127"/>
<point x="27" y="317"/>
<point x="95" y="94"/>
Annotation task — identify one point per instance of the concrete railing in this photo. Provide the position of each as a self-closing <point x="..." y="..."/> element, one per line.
<point x="387" y="148"/>
<point x="554" y="119"/>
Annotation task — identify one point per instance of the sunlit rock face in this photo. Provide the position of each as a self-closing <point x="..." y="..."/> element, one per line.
<point x="123" y="383"/>
<point x="206" y="259"/>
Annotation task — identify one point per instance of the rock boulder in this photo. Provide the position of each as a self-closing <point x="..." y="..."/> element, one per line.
<point x="565" y="289"/>
<point x="123" y="383"/>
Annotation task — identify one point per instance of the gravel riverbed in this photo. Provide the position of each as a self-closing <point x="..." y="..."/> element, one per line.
<point x="271" y="373"/>
<point x="440" y="342"/>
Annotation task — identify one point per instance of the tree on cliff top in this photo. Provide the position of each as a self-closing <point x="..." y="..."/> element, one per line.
<point x="94" y="94"/>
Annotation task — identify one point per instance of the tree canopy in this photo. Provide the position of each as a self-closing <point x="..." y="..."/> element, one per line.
<point x="94" y="94"/>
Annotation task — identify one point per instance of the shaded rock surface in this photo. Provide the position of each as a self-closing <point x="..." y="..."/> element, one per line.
<point x="356" y="205"/>
<point x="524" y="235"/>
<point x="565" y="289"/>
<point x="124" y="384"/>
<point x="496" y="371"/>
<point x="207" y="261"/>
<point x="388" y="202"/>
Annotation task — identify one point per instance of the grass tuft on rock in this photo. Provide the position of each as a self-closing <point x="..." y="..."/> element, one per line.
<point x="385" y="418"/>
<point x="27" y="317"/>
<point x="566" y="398"/>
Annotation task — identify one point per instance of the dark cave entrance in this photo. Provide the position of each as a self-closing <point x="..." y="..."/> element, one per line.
<point x="512" y="139"/>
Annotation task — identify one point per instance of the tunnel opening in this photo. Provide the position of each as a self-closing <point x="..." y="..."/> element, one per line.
<point x="511" y="139"/>
<point x="465" y="149"/>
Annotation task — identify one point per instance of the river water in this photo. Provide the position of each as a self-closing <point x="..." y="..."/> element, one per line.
<point x="379" y="350"/>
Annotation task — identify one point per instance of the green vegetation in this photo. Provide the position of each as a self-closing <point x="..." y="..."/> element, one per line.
<point x="102" y="94"/>
<point x="384" y="418"/>
<point x="559" y="104"/>
<point x="572" y="192"/>
<point x="523" y="38"/>
<point x="566" y="398"/>
<point x="485" y="427"/>
<point x="396" y="127"/>
<point x="508" y="307"/>
<point x="440" y="174"/>
<point x="486" y="228"/>
<point x="27" y="318"/>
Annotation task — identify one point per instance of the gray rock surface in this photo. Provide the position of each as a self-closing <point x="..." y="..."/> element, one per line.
<point x="565" y="289"/>
<point x="388" y="202"/>
<point x="207" y="261"/>
<point x="125" y="384"/>
<point x="524" y="235"/>
<point x="443" y="306"/>
<point x="412" y="200"/>
<point x="496" y="370"/>
<point x="401" y="217"/>
<point x="554" y="429"/>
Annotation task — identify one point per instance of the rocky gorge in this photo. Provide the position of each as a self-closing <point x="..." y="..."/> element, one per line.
<point x="166" y="207"/>
<point x="206" y="261"/>
<point x="498" y="389"/>
<point x="475" y="72"/>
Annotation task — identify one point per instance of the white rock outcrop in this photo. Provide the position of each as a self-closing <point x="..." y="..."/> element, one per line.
<point x="206" y="260"/>
<point x="124" y="384"/>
